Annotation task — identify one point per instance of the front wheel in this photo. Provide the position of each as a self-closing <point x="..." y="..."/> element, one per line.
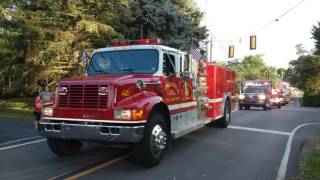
<point x="225" y="120"/>
<point x="150" y="150"/>
<point x="64" y="147"/>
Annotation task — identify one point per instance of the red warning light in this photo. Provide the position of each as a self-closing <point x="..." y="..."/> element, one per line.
<point x="136" y="42"/>
<point x="119" y="43"/>
<point x="147" y="41"/>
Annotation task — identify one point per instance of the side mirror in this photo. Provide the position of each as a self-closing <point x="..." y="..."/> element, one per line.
<point x="185" y="75"/>
<point x="171" y="75"/>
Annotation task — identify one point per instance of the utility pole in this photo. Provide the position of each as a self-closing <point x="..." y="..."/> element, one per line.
<point x="211" y="47"/>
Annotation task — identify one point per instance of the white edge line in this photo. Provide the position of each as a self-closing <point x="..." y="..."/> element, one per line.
<point x="281" y="175"/>
<point x="19" y="140"/>
<point x="260" y="130"/>
<point x="23" y="144"/>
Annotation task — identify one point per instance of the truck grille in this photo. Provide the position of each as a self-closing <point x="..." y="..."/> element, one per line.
<point x="83" y="96"/>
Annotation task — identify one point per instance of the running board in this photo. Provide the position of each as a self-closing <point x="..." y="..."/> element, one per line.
<point x="185" y="130"/>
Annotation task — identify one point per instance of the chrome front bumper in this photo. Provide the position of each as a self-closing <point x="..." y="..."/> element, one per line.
<point x="91" y="131"/>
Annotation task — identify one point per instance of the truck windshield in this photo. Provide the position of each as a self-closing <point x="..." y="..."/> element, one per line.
<point x="125" y="61"/>
<point x="254" y="90"/>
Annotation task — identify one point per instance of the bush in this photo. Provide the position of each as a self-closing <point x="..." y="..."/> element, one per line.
<point x="311" y="100"/>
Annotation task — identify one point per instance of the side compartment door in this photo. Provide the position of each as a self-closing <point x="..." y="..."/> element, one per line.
<point x="219" y="91"/>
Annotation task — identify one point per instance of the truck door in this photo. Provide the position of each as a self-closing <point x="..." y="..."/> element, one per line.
<point x="171" y="89"/>
<point x="186" y="89"/>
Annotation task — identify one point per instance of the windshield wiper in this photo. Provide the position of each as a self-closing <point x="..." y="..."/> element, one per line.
<point x="102" y="71"/>
<point x="131" y="70"/>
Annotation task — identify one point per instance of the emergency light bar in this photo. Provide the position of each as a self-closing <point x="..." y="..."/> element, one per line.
<point x="136" y="42"/>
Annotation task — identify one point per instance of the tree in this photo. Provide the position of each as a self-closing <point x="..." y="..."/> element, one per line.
<point x="44" y="34"/>
<point x="177" y="23"/>
<point x="252" y="67"/>
<point x="43" y="38"/>
<point x="305" y="74"/>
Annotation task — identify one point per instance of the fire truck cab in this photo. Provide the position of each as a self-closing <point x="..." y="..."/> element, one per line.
<point x="139" y="93"/>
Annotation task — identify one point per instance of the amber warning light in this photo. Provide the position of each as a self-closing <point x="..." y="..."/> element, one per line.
<point x="136" y="42"/>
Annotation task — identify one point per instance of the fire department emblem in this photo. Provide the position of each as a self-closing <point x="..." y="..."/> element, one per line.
<point x="126" y="92"/>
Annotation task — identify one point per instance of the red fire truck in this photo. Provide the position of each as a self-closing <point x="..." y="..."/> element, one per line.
<point x="139" y="93"/>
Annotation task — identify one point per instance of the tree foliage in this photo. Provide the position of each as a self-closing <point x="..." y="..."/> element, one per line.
<point x="40" y="40"/>
<point x="304" y="72"/>
<point x="253" y="68"/>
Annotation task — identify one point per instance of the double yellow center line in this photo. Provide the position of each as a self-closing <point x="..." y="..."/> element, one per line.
<point x="90" y="169"/>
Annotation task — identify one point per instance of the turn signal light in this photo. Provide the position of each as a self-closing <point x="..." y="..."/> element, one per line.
<point x="137" y="114"/>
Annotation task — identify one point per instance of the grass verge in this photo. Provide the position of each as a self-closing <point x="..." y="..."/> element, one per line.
<point x="17" y="108"/>
<point x="310" y="160"/>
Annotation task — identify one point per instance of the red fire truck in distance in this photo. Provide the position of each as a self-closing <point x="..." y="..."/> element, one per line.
<point x="141" y="94"/>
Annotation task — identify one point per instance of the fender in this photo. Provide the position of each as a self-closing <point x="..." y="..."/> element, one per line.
<point x="143" y="100"/>
<point x="225" y="96"/>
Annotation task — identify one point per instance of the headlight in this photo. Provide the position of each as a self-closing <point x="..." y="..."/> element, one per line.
<point x="135" y="114"/>
<point x="122" y="114"/>
<point x="47" y="111"/>
<point x="241" y="96"/>
<point x="262" y="97"/>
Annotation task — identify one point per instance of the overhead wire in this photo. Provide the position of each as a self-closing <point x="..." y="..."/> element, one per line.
<point x="264" y="26"/>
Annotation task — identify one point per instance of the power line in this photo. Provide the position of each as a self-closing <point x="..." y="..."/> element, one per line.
<point x="265" y="25"/>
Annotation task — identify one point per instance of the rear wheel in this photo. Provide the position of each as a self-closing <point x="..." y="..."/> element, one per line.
<point x="265" y="107"/>
<point x="150" y="150"/>
<point x="240" y="107"/>
<point x="225" y="120"/>
<point x="64" y="147"/>
<point x="279" y="106"/>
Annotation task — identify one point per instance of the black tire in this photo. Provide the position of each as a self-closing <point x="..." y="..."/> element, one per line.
<point x="148" y="152"/>
<point x="240" y="107"/>
<point x="279" y="107"/>
<point x="247" y="107"/>
<point x="265" y="107"/>
<point x="225" y="120"/>
<point x="64" y="147"/>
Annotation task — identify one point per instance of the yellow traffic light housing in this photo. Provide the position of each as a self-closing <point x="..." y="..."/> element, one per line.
<point x="231" y="51"/>
<point x="253" y="42"/>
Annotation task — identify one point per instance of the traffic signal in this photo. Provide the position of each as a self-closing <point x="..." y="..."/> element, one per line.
<point x="231" y="51"/>
<point x="253" y="42"/>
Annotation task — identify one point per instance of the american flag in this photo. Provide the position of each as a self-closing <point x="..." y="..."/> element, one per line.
<point x="195" y="52"/>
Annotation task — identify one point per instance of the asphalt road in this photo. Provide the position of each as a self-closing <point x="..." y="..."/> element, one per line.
<point x="257" y="145"/>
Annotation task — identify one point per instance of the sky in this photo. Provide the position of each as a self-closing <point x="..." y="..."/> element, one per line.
<point x="228" y="20"/>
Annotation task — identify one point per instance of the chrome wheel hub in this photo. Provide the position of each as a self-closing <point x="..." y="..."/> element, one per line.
<point x="158" y="140"/>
